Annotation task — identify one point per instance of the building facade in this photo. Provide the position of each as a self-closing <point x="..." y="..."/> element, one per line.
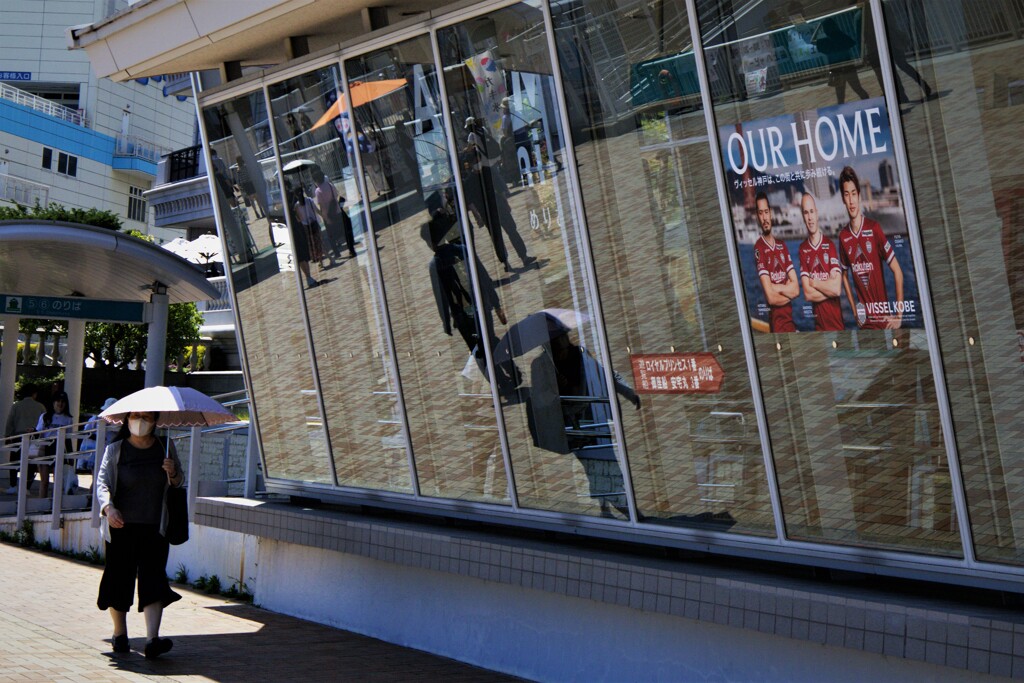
<point x="732" y="277"/>
<point x="69" y="137"/>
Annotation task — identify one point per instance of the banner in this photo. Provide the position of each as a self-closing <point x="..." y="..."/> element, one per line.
<point x="818" y="218"/>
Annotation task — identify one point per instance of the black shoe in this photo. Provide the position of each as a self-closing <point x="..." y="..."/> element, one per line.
<point x="529" y="261"/>
<point x="121" y="644"/>
<point x="157" y="647"/>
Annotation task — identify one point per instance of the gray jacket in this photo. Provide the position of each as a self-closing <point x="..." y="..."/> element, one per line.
<point x="106" y="485"/>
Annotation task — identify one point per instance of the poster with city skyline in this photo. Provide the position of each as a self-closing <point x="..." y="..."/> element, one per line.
<point x="818" y="218"/>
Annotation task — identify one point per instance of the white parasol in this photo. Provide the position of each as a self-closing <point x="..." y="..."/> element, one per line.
<point x="178" y="407"/>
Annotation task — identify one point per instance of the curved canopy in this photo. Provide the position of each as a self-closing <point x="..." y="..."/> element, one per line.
<point x="47" y="258"/>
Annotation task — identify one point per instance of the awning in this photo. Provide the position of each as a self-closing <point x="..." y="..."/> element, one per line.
<point x="45" y="258"/>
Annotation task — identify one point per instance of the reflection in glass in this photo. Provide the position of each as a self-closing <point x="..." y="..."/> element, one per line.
<point x="961" y="132"/>
<point x="849" y="394"/>
<point x="311" y="119"/>
<point x="260" y="267"/>
<point x="654" y="219"/>
<point x="510" y="144"/>
<point x="439" y="326"/>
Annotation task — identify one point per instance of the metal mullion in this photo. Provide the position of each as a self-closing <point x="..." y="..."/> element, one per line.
<point x="228" y="279"/>
<point x="734" y="268"/>
<point x="378" y="275"/>
<point x="927" y="311"/>
<point x="586" y="258"/>
<point x="303" y="308"/>
<point x="474" y="276"/>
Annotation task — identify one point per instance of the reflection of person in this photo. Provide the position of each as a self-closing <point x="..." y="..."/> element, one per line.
<point x="131" y="489"/>
<point x="509" y="161"/>
<point x="863" y="246"/>
<point x="485" y="196"/>
<point x="338" y="224"/>
<point x="449" y="278"/>
<point x="820" y="273"/>
<point x="220" y="177"/>
<point x="406" y="146"/>
<point x="247" y="188"/>
<point x="839" y="49"/>
<point x="300" y="232"/>
<point x="899" y="42"/>
<point x="58" y="414"/>
<point x="22" y="420"/>
<point x="560" y="399"/>
<point x="775" y="271"/>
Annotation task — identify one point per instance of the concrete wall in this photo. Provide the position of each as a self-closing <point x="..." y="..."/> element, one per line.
<point x="531" y="633"/>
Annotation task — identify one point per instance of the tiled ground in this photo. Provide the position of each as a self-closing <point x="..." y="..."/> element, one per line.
<point x="53" y="632"/>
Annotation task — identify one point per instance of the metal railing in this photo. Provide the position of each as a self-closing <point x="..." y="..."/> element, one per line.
<point x="135" y="147"/>
<point x="184" y="164"/>
<point x="217" y="461"/>
<point x="24" y="192"/>
<point x="41" y="104"/>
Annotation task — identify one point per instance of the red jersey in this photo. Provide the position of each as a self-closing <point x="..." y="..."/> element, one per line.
<point x="863" y="253"/>
<point x="818" y="263"/>
<point x="776" y="263"/>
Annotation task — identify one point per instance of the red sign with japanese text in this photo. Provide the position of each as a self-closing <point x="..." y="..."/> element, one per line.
<point x="677" y="373"/>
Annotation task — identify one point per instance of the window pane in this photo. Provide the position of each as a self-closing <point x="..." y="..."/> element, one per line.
<point x="435" y="317"/>
<point x="960" y="67"/>
<point x="339" y="282"/>
<point x="268" y="297"/>
<point x="832" y="293"/>
<point x="511" y="153"/>
<point x="652" y="210"/>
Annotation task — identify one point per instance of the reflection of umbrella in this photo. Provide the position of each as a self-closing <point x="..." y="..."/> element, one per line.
<point x="536" y="329"/>
<point x="361" y="92"/>
<point x="178" y="407"/>
<point x="296" y="164"/>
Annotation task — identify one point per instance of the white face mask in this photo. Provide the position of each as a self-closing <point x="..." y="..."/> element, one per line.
<point x="139" y="427"/>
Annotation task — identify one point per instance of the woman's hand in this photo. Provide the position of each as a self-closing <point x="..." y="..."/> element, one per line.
<point x="114" y="518"/>
<point x="170" y="468"/>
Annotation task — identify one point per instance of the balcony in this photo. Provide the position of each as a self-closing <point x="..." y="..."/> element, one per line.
<point x="41" y="104"/>
<point x="181" y="195"/>
<point x="218" y="318"/>
<point x="24" y="192"/>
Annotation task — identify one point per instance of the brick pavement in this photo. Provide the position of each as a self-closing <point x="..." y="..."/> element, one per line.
<point x="52" y="631"/>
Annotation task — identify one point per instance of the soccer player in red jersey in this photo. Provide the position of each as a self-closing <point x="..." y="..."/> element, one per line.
<point x="862" y="248"/>
<point x="775" y="270"/>
<point x="820" y="273"/>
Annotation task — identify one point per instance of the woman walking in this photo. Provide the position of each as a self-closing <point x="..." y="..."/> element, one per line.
<point x="132" y="491"/>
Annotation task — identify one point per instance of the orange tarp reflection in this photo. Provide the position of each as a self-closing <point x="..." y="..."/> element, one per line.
<point x="361" y="93"/>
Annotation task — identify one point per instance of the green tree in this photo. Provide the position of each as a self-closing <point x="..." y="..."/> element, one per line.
<point x="56" y="212"/>
<point x="117" y="345"/>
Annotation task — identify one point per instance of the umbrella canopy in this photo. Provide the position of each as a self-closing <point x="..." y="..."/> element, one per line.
<point x="536" y="329"/>
<point x="361" y="93"/>
<point x="206" y="249"/>
<point x="296" y="164"/>
<point x="178" y="407"/>
<point x="179" y="246"/>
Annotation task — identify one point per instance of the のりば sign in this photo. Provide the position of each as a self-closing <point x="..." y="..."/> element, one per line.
<point x="677" y="373"/>
<point x="818" y="217"/>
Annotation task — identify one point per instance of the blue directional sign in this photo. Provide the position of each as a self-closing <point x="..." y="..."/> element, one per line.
<point x="15" y="75"/>
<point x="72" y="307"/>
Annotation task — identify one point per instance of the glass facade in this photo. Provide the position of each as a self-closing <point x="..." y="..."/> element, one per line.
<point x="716" y="273"/>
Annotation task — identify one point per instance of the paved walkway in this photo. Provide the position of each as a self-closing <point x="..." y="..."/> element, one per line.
<point x="50" y="630"/>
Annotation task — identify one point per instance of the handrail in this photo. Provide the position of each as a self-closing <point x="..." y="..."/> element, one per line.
<point x="81" y="431"/>
<point x="41" y="104"/>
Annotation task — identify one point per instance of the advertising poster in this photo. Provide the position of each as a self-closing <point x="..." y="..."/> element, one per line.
<point x="818" y="218"/>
